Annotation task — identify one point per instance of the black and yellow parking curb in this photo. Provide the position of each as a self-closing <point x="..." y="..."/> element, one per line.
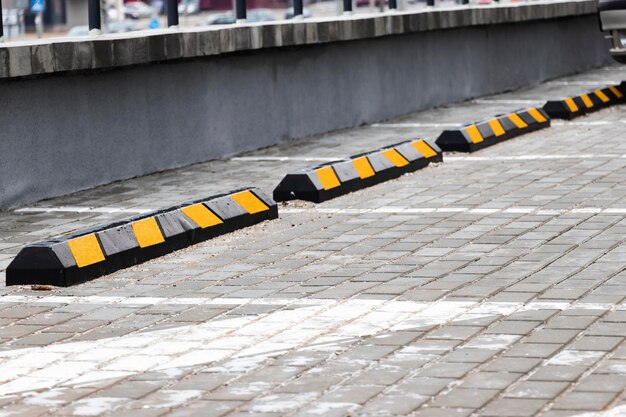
<point x="333" y="179"/>
<point x="91" y="253"/>
<point x="475" y="136"/>
<point x="571" y="107"/>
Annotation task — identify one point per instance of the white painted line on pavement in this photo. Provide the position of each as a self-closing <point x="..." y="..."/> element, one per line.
<point x="71" y="209"/>
<point x="603" y="83"/>
<point x="149" y="301"/>
<point x="585" y="123"/>
<point x="532" y="157"/>
<point x="507" y="101"/>
<point x="283" y="158"/>
<point x="554" y="123"/>
<point x="416" y="124"/>
<point x="378" y="210"/>
<point x="619" y="411"/>
<point x="615" y="211"/>
<point x="487" y="211"/>
<point x="587" y="210"/>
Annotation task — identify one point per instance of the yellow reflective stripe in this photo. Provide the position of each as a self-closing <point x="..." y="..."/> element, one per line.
<point x="86" y="250"/>
<point x="601" y="96"/>
<point x="250" y="203"/>
<point x="147" y="232"/>
<point x="395" y="157"/>
<point x="615" y="91"/>
<point x="201" y="215"/>
<point x="423" y="148"/>
<point x="571" y="105"/>
<point x="517" y="121"/>
<point x="328" y="178"/>
<point x="363" y="167"/>
<point x="474" y="134"/>
<point x="586" y="100"/>
<point x="495" y="125"/>
<point x="536" y="114"/>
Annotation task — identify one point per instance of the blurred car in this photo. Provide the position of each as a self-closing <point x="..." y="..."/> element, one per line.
<point x="82" y="30"/>
<point x="612" y="14"/>
<point x="221" y="19"/>
<point x="362" y="3"/>
<point x="254" y="15"/>
<point x="260" y="15"/>
<point x="289" y="13"/>
<point x="112" y="27"/>
<point x="137" y="10"/>
<point x="189" y="7"/>
<point x="121" y="27"/>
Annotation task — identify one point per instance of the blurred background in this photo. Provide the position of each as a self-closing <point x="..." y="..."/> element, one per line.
<point x="29" y="19"/>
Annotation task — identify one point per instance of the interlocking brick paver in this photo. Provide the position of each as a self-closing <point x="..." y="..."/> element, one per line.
<point x="533" y="350"/>
<point x="536" y="389"/>
<point x="465" y="397"/>
<point x="579" y="400"/>
<point x="513" y="407"/>
<point x="490" y="285"/>
<point x="557" y="373"/>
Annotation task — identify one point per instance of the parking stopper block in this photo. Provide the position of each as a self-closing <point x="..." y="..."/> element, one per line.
<point x="475" y="136"/>
<point x="333" y="179"/>
<point x="572" y="107"/>
<point x="102" y="250"/>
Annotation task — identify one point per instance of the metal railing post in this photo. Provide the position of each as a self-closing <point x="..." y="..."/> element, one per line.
<point x="94" y="17"/>
<point x="172" y="13"/>
<point x="1" y="24"/>
<point x="298" y="9"/>
<point x="347" y="6"/>
<point x="240" y="10"/>
<point x="464" y="1"/>
<point x="430" y="2"/>
<point x="393" y="4"/>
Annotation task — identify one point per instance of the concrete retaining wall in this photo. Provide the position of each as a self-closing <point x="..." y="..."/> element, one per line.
<point x="69" y="131"/>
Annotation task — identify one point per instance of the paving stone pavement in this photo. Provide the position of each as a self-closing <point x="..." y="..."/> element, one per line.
<point x="489" y="285"/>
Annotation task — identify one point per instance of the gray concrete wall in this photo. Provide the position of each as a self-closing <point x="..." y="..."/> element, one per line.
<point x="69" y="132"/>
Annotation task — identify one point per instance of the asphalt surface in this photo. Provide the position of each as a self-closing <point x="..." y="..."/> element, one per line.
<point x="490" y="285"/>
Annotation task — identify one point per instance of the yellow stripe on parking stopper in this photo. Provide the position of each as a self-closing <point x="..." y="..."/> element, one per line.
<point x="328" y="178"/>
<point x="395" y="157"/>
<point x="423" y="148"/>
<point x="540" y="118"/>
<point x="586" y="100"/>
<point x="363" y="167"/>
<point x="201" y="215"/>
<point x="517" y="121"/>
<point x="615" y="91"/>
<point x="571" y="105"/>
<point x="86" y="250"/>
<point x="496" y="127"/>
<point x="250" y="203"/>
<point x="147" y="232"/>
<point x="601" y="96"/>
<point x="474" y="134"/>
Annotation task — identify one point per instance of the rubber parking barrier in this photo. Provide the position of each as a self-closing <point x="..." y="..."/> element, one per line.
<point x="475" y="136"/>
<point x="572" y="107"/>
<point x="333" y="179"/>
<point x="94" y="252"/>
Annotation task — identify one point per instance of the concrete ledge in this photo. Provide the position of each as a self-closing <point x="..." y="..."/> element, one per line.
<point x="144" y="47"/>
